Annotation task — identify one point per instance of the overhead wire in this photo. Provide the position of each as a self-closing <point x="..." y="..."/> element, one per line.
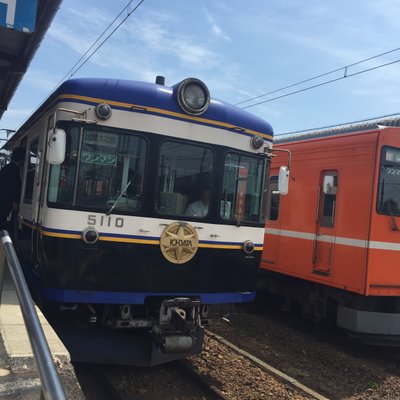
<point x="323" y="83"/>
<point x="72" y="72"/>
<point x="346" y="75"/>
<point x="94" y="43"/>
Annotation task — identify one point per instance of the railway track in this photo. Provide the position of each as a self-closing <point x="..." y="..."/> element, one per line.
<point x="241" y="375"/>
<point x="177" y="380"/>
<point x="319" y="357"/>
<point x="203" y="381"/>
<point x="268" y="368"/>
<point x="222" y="372"/>
<point x="95" y="383"/>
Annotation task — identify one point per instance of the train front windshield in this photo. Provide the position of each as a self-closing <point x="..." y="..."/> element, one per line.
<point x="389" y="182"/>
<point x="106" y="169"/>
<point x="100" y="168"/>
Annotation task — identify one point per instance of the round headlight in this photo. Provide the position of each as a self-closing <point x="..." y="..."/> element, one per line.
<point x="248" y="246"/>
<point x="257" y="141"/>
<point x="90" y="235"/>
<point x="193" y="96"/>
<point x="103" y="111"/>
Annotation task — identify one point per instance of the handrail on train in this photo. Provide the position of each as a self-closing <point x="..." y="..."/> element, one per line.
<point x="51" y="385"/>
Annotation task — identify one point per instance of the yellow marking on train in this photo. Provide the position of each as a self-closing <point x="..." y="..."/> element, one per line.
<point x="140" y="241"/>
<point x="220" y="246"/>
<point x="166" y="112"/>
<point x="127" y="240"/>
<point x="226" y="246"/>
<point x="61" y="235"/>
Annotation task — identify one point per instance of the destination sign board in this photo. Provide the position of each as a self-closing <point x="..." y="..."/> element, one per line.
<point x="98" y="158"/>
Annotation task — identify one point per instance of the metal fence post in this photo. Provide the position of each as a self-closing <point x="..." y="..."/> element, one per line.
<point x="2" y="269"/>
<point x="51" y="385"/>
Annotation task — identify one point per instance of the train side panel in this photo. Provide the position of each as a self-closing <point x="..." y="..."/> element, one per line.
<point x="383" y="277"/>
<point x="323" y="237"/>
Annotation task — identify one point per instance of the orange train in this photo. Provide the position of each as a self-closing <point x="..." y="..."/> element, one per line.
<point x="333" y="242"/>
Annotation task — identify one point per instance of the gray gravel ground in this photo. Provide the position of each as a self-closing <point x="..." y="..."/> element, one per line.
<point x="237" y="377"/>
<point x="321" y="358"/>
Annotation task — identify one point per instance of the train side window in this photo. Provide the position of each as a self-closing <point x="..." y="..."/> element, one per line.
<point x="241" y="199"/>
<point x="388" y="201"/>
<point x="32" y="163"/>
<point x="328" y="198"/>
<point x="273" y="199"/>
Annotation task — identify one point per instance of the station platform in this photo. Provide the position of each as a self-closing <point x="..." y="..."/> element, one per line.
<point x="19" y="376"/>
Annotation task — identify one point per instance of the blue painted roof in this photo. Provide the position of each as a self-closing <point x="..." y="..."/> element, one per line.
<point x="161" y="97"/>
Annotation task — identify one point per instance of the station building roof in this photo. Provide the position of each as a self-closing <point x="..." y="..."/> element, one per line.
<point x="18" y="43"/>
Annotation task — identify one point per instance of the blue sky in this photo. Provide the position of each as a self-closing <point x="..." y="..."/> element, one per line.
<point x="240" y="49"/>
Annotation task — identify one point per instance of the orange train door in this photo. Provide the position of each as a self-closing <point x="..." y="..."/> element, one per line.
<point x="324" y="241"/>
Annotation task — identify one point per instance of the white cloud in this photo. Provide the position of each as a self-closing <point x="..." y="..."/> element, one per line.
<point x="139" y="44"/>
<point x="216" y="29"/>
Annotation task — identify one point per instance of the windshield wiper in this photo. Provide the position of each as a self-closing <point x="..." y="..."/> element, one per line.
<point x="230" y="213"/>
<point x="119" y="197"/>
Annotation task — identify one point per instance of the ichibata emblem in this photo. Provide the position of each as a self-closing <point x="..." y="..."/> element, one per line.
<point x="179" y="242"/>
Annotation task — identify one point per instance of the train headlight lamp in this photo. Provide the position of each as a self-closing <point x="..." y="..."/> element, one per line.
<point x="193" y="96"/>
<point x="257" y="142"/>
<point x="248" y="246"/>
<point x="90" y="235"/>
<point x="103" y="111"/>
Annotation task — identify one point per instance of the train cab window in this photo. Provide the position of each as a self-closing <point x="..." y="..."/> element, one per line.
<point x="388" y="201"/>
<point x="273" y="199"/>
<point x="183" y="182"/>
<point x="32" y="163"/>
<point x="241" y="196"/>
<point x="108" y="171"/>
<point x="328" y="198"/>
<point x="111" y="170"/>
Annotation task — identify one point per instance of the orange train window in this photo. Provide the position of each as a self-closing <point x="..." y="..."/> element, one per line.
<point x="273" y="199"/>
<point x="328" y="198"/>
<point x="388" y="201"/>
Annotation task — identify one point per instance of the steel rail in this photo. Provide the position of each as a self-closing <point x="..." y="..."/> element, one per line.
<point x="268" y="368"/>
<point x="205" y="383"/>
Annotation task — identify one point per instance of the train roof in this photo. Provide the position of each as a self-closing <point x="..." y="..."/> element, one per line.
<point x="359" y="126"/>
<point x="156" y="98"/>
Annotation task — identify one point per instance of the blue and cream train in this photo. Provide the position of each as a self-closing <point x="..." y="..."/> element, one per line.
<point x="121" y="269"/>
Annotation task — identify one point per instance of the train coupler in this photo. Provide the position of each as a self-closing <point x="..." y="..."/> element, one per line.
<point x="177" y="344"/>
<point x="179" y="325"/>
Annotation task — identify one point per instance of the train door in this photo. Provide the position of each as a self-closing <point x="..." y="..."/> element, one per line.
<point x="324" y="241"/>
<point x="273" y="223"/>
<point x="27" y="207"/>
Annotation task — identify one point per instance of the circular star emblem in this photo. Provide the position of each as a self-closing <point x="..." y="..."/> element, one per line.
<point x="179" y="242"/>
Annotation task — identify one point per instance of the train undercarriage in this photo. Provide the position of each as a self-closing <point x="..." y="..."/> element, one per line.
<point x="372" y="320"/>
<point x="159" y="331"/>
